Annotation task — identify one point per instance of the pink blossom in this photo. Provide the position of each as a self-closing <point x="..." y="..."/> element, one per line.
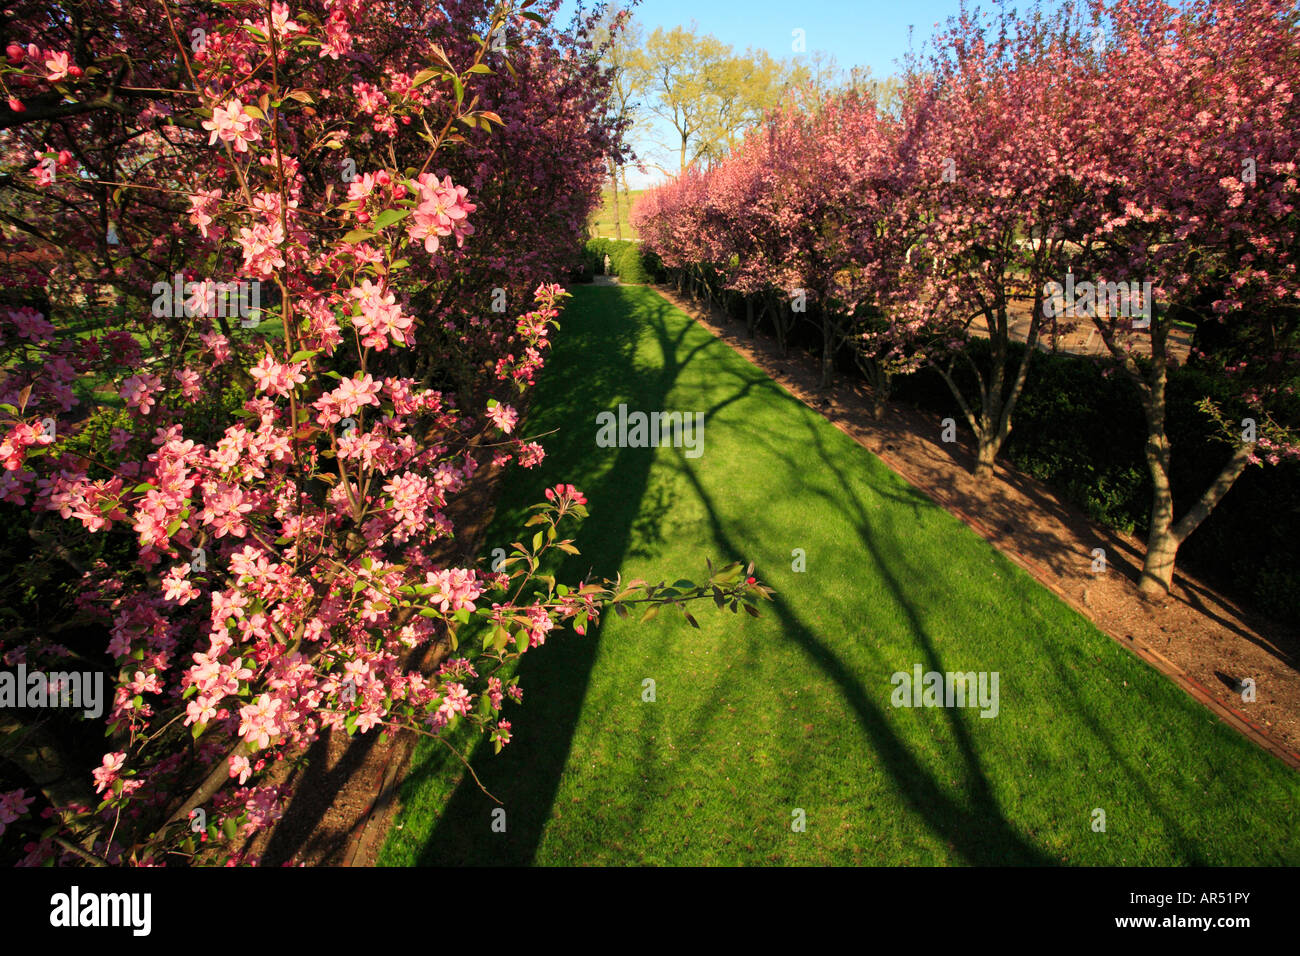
<point x="139" y="390"/>
<point x="232" y="124"/>
<point x="276" y="379"/>
<point x="443" y="211"/>
<point x="503" y="416"/>
<point x="107" y="772"/>
<point x="258" y="723"/>
<point x="57" y="64"/>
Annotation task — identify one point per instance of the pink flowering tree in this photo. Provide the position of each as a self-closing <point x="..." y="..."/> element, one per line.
<point x="984" y="219"/>
<point x="1202" y="204"/>
<point x="218" y="374"/>
<point x="1001" y="185"/>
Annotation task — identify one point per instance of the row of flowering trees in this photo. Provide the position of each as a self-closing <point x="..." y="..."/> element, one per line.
<point x="278" y="275"/>
<point x="1139" y="151"/>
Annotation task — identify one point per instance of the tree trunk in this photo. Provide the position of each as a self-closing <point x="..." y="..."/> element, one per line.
<point x="749" y="316"/>
<point x="618" y="219"/>
<point x="778" y="320"/>
<point x="1165" y="536"/>
<point x="828" y="348"/>
<point x="880" y="394"/>
<point x="986" y="452"/>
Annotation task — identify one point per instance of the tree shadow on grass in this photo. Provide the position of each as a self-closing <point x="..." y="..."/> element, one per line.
<point x="975" y="827"/>
<point x="595" y="373"/>
<point x="593" y="370"/>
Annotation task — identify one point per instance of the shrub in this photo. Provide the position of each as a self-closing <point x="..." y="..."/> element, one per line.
<point x="631" y="269"/>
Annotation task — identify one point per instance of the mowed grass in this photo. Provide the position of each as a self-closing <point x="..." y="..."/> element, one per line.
<point x="603" y="222"/>
<point x="756" y="719"/>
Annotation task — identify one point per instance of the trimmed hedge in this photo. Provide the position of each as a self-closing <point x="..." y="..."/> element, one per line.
<point x="626" y="260"/>
<point x="630" y="267"/>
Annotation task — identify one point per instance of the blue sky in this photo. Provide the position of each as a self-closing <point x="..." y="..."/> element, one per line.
<point x="862" y="33"/>
<point x="870" y="33"/>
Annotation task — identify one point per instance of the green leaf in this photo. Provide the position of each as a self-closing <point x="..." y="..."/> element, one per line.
<point x="390" y="216"/>
<point x="500" y="638"/>
<point x="254" y="111"/>
<point x="302" y="355"/>
<point x="424" y="76"/>
<point x="479" y="68"/>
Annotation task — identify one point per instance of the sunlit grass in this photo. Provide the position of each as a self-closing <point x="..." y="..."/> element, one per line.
<point x="754" y="720"/>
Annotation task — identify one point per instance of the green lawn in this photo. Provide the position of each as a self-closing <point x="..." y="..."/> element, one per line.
<point x="755" y="719"/>
<point x="603" y="223"/>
